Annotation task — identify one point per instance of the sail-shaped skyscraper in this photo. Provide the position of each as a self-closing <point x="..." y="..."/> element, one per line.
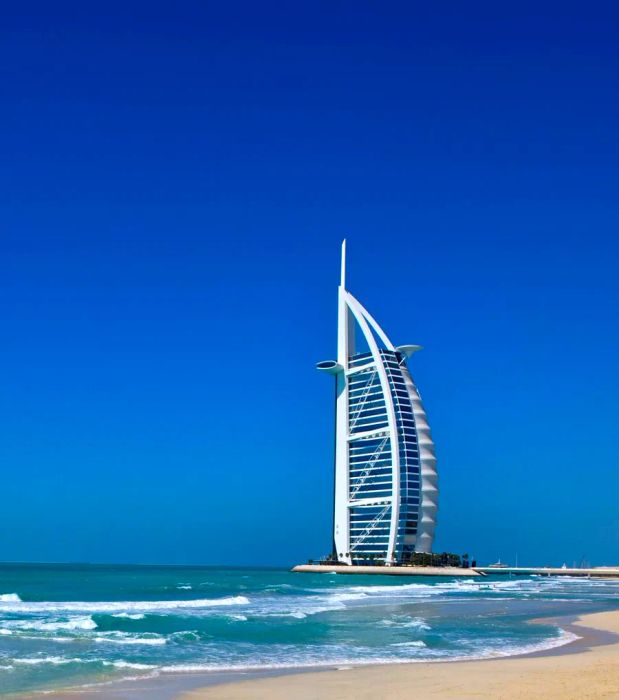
<point x="386" y="490"/>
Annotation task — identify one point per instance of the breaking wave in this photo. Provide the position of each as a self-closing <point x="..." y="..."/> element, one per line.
<point x="404" y="622"/>
<point x="132" y="639"/>
<point x="120" y="606"/>
<point x="9" y="598"/>
<point x="71" y="624"/>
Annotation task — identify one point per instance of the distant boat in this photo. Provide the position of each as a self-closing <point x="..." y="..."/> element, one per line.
<point x="498" y="565"/>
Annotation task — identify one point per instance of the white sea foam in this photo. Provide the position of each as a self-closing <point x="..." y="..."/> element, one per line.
<point x="416" y="643"/>
<point x="9" y="598"/>
<point x="343" y="597"/>
<point x="154" y="673"/>
<point x="70" y="624"/>
<point x="38" y="638"/>
<point x="133" y="606"/>
<point x="298" y="614"/>
<point x="63" y="661"/>
<point x="413" y="590"/>
<point x="360" y="660"/>
<point x="53" y="660"/>
<point x="562" y="639"/>
<point x="128" y="664"/>
<point x="126" y="638"/>
<point x="130" y="616"/>
<point x="351" y="596"/>
<point x="186" y="636"/>
<point x="404" y="621"/>
<point x="77" y="623"/>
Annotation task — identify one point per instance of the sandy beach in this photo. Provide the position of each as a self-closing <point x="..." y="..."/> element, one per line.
<point x="585" y="669"/>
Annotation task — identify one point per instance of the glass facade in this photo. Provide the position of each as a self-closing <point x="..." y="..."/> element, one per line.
<point x="370" y="459"/>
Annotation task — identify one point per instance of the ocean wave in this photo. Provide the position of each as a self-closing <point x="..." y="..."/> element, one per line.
<point x="38" y="638"/>
<point x="71" y="624"/>
<point x="52" y="660"/>
<point x="564" y="637"/>
<point x="186" y="636"/>
<point x="130" y="616"/>
<point x="412" y="590"/>
<point x="362" y="660"/>
<point x="143" y="606"/>
<point x="9" y="598"/>
<point x="406" y="622"/>
<point x="149" y="639"/>
<point x="77" y="623"/>
<point x="343" y="597"/>
<point x="129" y="664"/>
<point x="330" y="657"/>
<point x="451" y="589"/>
<point x="63" y="661"/>
<point x="297" y="614"/>
<point x="301" y="606"/>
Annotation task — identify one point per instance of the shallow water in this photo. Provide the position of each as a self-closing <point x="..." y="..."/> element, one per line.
<point x="73" y="625"/>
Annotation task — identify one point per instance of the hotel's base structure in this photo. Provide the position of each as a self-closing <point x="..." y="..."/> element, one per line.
<point x="386" y="491"/>
<point x="385" y="570"/>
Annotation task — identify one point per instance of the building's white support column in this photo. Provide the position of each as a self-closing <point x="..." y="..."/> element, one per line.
<point x="345" y="347"/>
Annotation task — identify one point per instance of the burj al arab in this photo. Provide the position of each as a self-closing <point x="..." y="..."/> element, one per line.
<point x="386" y="485"/>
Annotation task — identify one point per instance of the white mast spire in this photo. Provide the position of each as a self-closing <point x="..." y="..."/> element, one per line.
<point x="345" y="327"/>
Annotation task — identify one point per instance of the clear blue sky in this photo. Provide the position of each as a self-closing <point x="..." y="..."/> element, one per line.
<point x="174" y="185"/>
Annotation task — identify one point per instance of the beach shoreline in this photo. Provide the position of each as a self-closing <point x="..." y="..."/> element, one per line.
<point x="587" y="666"/>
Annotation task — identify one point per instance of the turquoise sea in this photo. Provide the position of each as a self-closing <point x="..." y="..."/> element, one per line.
<point x="73" y="625"/>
